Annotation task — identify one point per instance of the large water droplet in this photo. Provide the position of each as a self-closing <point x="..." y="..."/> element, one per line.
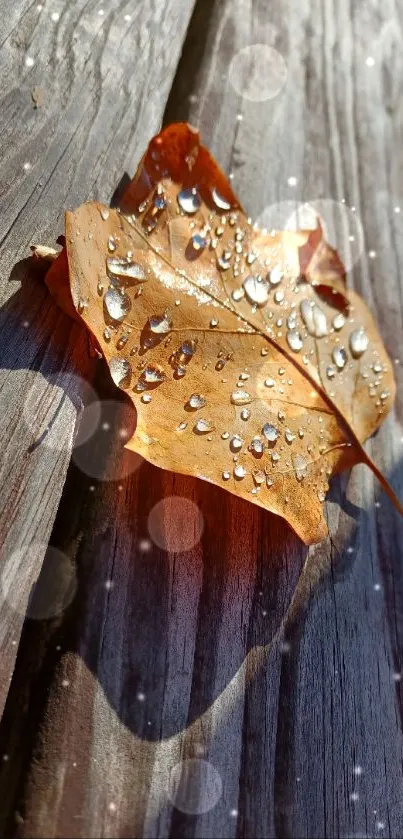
<point x="125" y="269"/>
<point x="189" y="200"/>
<point x="270" y="432"/>
<point x="339" y="357"/>
<point x="121" y="371"/>
<point x="117" y="304"/>
<point x="196" y="401"/>
<point x="160" y="324"/>
<point x="240" y="397"/>
<point x="314" y="319"/>
<point x="294" y="340"/>
<point x="256" y="290"/>
<point x="358" y="342"/>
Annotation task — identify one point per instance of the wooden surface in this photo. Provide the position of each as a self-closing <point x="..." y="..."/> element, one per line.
<point x="168" y="656"/>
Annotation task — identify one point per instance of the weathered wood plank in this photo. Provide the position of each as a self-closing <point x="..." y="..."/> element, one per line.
<point x="169" y="660"/>
<point x="105" y="74"/>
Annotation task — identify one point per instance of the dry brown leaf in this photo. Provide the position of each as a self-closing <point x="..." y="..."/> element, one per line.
<point x="249" y="363"/>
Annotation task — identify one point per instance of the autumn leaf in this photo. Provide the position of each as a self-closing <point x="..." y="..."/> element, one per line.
<point x="249" y="362"/>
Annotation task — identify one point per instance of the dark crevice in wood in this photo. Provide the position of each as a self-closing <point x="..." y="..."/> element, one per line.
<point x="193" y="53"/>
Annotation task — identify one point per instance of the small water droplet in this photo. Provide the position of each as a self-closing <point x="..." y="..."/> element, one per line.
<point x="270" y="432"/>
<point x="239" y="472"/>
<point x="117" y="304"/>
<point x="196" y="401"/>
<point x="220" y="364"/>
<point x="236" y="443"/>
<point x="226" y="475"/>
<point x="238" y="294"/>
<point x="182" y="426"/>
<point x="289" y="436"/>
<point x="111" y="244"/>
<point x="256" y="445"/>
<point x="294" y="340"/>
<point x="146" y="398"/>
<point x="122" y="341"/>
<point x="160" y="324"/>
<point x="220" y="202"/>
<point x="203" y="426"/>
<point x="245" y="414"/>
<point x="100" y="288"/>
<point x="275" y="457"/>
<point x="180" y="372"/>
<point x="256" y="290"/>
<point x="338" y="322"/>
<point x="121" y="371"/>
<point x="189" y="200"/>
<point x="107" y="334"/>
<point x="153" y="374"/>
<point x="358" y="342"/>
<point x="330" y="372"/>
<point x="258" y="476"/>
<point x="279" y="296"/>
<point x="339" y="357"/>
<point x="321" y="495"/>
<point x="213" y="323"/>
<point x="275" y="275"/>
<point x="269" y="382"/>
<point x="104" y="213"/>
<point x="225" y="435"/>
<point x="224" y="261"/>
<point x="240" y="397"/>
<point x="198" y="242"/>
<point x="300" y="465"/>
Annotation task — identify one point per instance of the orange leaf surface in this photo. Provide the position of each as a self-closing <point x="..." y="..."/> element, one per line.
<point x="249" y="363"/>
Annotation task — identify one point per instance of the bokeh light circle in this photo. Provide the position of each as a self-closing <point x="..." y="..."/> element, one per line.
<point x="342" y="227"/>
<point x="175" y="524"/>
<point x="103" y="456"/>
<point x="258" y="72"/>
<point x="195" y="786"/>
<point x="50" y="593"/>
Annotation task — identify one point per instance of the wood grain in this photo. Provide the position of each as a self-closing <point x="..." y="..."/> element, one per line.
<point x="170" y="655"/>
<point x="104" y="79"/>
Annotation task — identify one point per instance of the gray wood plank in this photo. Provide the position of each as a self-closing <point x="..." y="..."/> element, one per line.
<point x="105" y="73"/>
<point x="164" y="656"/>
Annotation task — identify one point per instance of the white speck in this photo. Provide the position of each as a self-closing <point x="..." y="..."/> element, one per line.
<point x="298" y="780"/>
<point x="397" y="210"/>
<point x="55" y="16"/>
<point x="112" y="807"/>
<point x="239" y="117"/>
<point x="292" y="181"/>
<point x="380" y="825"/>
<point x="58" y="648"/>
<point x="141" y="697"/>
<point x="350" y="550"/>
<point x="105" y="426"/>
<point x="65" y="683"/>
<point x="370" y="61"/>
<point x="145" y="545"/>
<point x="354" y="796"/>
<point x="27" y="166"/>
<point x="109" y="585"/>
<point x="377" y="587"/>
<point x="378" y="503"/>
<point x="101" y="12"/>
<point x="74" y="763"/>
<point x="357" y="770"/>
<point x="5" y="758"/>
<point x="372" y="254"/>
<point x="233" y="813"/>
<point x="397" y="677"/>
<point x="26" y="324"/>
<point x="29" y="62"/>
<point x="127" y="18"/>
<point x="39" y="7"/>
